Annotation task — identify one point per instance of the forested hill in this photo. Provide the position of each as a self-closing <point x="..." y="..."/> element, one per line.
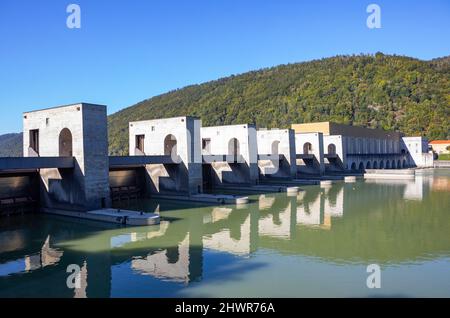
<point x="11" y="145"/>
<point x="383" y="91"/>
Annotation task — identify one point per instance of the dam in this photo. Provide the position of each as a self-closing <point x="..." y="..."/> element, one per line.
<point x="66" y="168"/>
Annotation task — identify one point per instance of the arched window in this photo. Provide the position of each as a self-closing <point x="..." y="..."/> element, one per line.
<point x="381" y="164"/>
<point x="361" y="166"/>
<point x="307" y="147"/>
<point x="404" y="163"/>
<point x="170" y="145"/>
<point x="275" y="147"/>
<point x="375" y="165"/>
<point x="399" y="164"/>
<point x="368" y="165"/>
<point x="65" y="143"/>
<point x="393" y="164"/>
<point x="388" y="166"/>
<point x="331" y="149"/>
<point x="233" y="147"/>
<point x="353" y="166"/>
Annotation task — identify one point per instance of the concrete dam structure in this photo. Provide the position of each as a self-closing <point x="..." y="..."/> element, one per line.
<point x="66" y="166"/>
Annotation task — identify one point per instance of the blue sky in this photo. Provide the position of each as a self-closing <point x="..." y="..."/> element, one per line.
<point x="127" y="51"/>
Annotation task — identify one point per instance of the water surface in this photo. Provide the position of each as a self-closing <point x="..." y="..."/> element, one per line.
<point x="317" y="243"/>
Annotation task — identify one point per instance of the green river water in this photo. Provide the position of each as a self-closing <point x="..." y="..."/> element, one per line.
<point x="316" y="243"/>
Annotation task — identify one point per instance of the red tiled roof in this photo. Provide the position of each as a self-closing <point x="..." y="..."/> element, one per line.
<point x="440" y="142"/>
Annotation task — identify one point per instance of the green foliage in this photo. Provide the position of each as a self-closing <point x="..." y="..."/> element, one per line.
<point x="444" y="156"/>
<point x="381" y="91"/>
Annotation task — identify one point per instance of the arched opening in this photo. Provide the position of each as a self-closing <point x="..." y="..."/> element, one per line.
<point x="381" y="164"/>
<point x="170" y="145"/>
<point x="388" y="166"/>
<point x="404" y="163"/>
<point x="375" y="165"/>
<point x="393" y="164"/>
<point x="331" y="149"/>
<point x="368" y="166"/>
<point x="403" y="151"/>
<point x="361" y="166"/>
<point x="353" y="166"/>
<point x="399" y="164"/>
<point x="307" y="148"/>
<point x="233" y="147"/>
<point x="65" y="143"/>
<point x="275" y="147"/>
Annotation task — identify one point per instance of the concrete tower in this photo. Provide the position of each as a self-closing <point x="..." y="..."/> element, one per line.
<point x="78" y="131"/>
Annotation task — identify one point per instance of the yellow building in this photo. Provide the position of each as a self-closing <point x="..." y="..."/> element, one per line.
<point x="328" y="128"/>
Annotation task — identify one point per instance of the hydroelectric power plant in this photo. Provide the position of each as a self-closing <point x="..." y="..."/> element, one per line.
<point x="66" y="169"/>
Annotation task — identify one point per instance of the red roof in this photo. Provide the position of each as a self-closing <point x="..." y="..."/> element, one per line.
<point x="440" y="142"/>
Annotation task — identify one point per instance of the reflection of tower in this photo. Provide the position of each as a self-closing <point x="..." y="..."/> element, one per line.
<point x="275" y="225"/>
<point x="414" y="189"/>
<point x="237" y="242"/>
<point x="309" y="209"/>
<point x="171" y="264"/>
<point x="46" y="257"/>
<point x="317" y="207"/>
<point x="334" y="202"/>
<point x="265" y="202"/>
<point x="217" y="214"/>
<point x="239" y="238"/>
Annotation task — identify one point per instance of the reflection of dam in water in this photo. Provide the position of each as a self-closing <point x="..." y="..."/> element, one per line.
<point x="46" y="256"/>
<point x="167" y="264"/>
<point x="342" y="223"/>
<point x="414" y="189"/>
<point x="278" y="223"/>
